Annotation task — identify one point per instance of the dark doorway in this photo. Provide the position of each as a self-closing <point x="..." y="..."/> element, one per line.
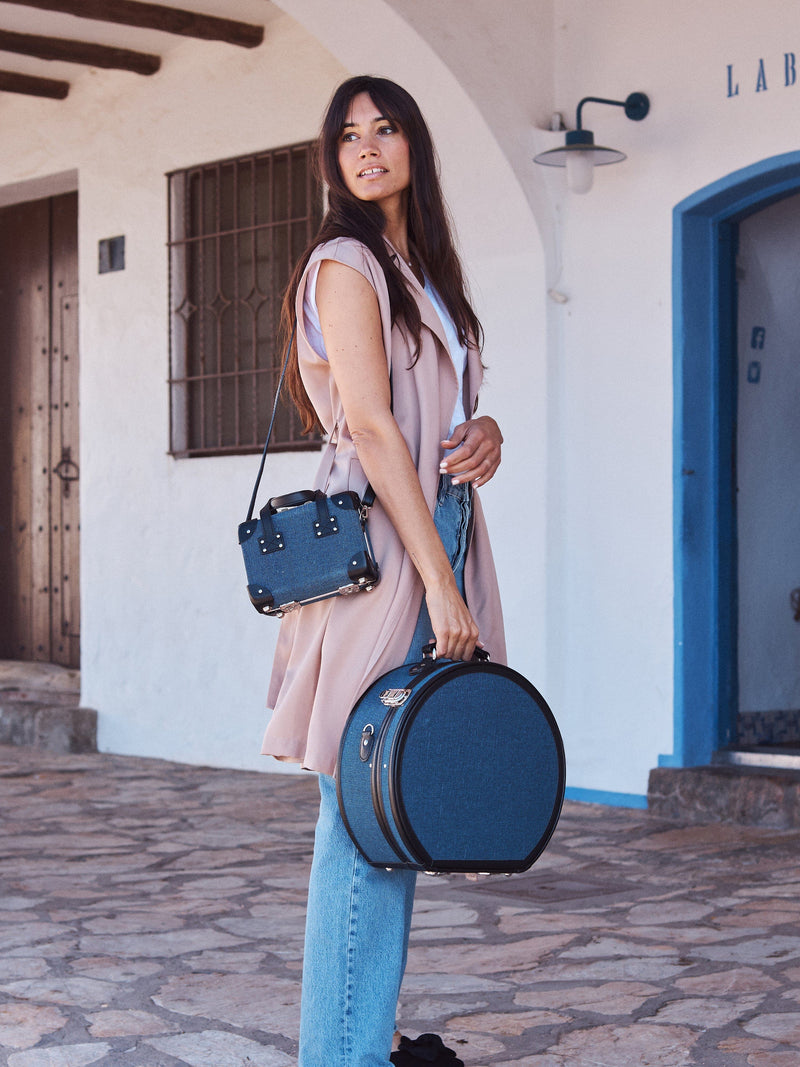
<point x="768" y="477"/>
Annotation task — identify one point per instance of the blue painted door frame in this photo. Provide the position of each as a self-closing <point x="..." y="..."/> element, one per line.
<point x="704" y="380"/>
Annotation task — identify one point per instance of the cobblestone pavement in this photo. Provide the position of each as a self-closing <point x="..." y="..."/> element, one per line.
<point x="151" y="914"/>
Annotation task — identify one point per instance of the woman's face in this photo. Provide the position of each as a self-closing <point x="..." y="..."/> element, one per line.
<point x="374" y="157"/>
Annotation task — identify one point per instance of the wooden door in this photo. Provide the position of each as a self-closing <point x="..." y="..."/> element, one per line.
<point x="39" y="459"/>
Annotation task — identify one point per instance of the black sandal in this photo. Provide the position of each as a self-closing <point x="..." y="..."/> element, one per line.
<point x="427" y="1050"/>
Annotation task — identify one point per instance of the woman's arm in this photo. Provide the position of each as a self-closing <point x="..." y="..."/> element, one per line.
<point x="351" y="327"/>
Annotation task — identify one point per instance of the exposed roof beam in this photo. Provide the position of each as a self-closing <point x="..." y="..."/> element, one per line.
<point x="29" y="86"/>
<point x="155" y="17"/>
<point x="93" y="55"/>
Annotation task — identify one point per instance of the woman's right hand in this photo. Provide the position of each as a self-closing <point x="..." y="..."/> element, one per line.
<point x="454" y="628"/>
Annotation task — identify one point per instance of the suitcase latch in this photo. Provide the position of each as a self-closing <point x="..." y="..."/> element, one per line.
<point x="367" y="741"/>
<point x="394" y="698"/>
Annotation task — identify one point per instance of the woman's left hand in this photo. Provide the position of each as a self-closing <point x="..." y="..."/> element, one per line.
<point x="477" y="451"/>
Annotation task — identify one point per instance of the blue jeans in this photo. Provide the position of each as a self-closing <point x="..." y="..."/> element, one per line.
<point x="358" y="916"/>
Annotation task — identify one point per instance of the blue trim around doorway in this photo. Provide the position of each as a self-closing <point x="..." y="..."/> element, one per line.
<point x="704" y="293"/>
<point x="604" y="796"/>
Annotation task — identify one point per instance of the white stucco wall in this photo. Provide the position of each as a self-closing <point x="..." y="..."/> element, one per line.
<point x="174" y="658"/>
<point x="610" y="555"/>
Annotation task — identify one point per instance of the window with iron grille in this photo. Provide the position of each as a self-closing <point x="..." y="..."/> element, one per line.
<point x="236" y="229"/>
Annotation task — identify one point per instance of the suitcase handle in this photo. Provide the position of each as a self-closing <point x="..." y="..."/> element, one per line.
<point x="480" y="655"/>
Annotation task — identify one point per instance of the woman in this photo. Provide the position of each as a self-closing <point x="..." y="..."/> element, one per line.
<point x="387" y="362"/>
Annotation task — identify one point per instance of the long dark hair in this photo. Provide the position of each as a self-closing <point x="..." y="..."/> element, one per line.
<point x="346" y="216"/>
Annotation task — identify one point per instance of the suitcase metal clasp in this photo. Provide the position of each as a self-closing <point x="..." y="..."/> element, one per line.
<point x="394" y="698"/>
<point x="367" y="741"/>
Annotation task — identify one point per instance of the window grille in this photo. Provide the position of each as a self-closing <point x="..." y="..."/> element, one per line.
<point x="236" y="229"/>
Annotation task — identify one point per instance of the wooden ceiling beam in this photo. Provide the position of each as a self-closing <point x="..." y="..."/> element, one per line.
<point x="155" y="17"/>
<point x="92" y="55"/>
<point x="30" y="86"/>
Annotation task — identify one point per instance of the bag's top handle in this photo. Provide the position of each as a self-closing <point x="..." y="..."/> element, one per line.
<point x="369" y="495"/>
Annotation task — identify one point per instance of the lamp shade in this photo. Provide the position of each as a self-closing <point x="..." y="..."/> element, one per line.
<point x="581" y="141"/>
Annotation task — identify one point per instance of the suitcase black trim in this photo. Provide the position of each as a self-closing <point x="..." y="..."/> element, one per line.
<point x="399" y="813"/>
<point x="375" y="790"/>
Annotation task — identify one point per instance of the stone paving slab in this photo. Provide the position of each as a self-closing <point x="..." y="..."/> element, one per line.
<point x="151" y="915"/>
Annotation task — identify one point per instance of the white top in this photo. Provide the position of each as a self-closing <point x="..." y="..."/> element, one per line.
<point x="458" y="352"/>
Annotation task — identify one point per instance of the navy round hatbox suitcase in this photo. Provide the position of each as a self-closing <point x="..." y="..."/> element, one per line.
<point x="450" y="766"/>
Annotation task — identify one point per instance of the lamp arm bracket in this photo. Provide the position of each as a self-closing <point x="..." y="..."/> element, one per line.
<point x="636" y="106"/>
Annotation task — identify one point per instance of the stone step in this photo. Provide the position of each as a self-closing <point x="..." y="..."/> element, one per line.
<point x="52" y="727"/>
<point x="20" y="676"/>
<point x="34" y="695"/>
<point x="40" y="707"/>
<point x="749" y="796"/>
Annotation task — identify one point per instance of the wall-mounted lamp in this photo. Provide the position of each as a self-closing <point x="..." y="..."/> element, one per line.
<point x="580" y="155"/>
